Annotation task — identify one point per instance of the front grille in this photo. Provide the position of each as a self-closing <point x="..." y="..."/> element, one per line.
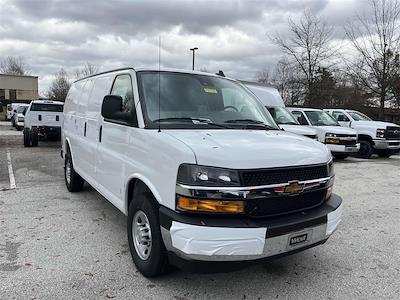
<point x="353" y="136"/>
<point x="282" y="175"/>
<point x="392" y="133"/>
<point x="284" y="204"/>
<point x="348" y="143"/>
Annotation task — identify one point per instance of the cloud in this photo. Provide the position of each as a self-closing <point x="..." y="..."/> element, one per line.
<point x="232" y="35"/>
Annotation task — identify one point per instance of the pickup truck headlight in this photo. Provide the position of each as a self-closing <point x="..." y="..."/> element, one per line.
<point x="380" y="133"/>
<point x="331" y="138"/>
<point x="207" y="176"/>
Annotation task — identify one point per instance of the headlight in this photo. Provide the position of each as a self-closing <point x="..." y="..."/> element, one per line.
<point x="330" y="135"/>
<point x="20" y="119"/>
<point x="380" y="133"/>
<point x="207" y="176"/>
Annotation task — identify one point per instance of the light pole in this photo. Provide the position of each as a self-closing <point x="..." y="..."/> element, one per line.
<point x="193" y="50"/>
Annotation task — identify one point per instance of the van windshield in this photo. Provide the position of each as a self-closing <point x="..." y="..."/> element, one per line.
<point x="21" y="109"/>
<point x="282" y="116"/>
<point x="321" y="118"/>
<point x="199" y="101"/>
<point x="46" y="107"/>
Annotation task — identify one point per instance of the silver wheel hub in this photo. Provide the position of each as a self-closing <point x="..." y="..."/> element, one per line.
<point x="141" y="234"/>
<point x="68" y="171"/>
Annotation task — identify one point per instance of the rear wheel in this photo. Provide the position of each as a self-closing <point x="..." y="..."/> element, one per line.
<point x="73" y="180"/>
<point x="27" y="137"/>
<point x="366" y="149"/>
<point x="144" y="236"/>
<point x="34" y="137"/>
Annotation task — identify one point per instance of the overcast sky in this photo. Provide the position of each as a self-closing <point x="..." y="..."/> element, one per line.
<point x="231" y="34"/>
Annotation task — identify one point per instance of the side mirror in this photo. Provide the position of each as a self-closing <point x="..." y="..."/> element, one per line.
<point x="111" y="107"/>
<point x="340" y="118"/>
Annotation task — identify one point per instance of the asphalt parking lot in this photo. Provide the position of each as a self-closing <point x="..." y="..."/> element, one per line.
<point x="54" y="244"/>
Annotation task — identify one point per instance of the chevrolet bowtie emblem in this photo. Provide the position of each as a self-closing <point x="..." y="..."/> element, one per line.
<point x="294" y="188"/>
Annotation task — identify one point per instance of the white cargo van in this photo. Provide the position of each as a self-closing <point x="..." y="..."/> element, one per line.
<point x="340" y="140"/>
<point x="207" y="179"/>
<point x="273" y="101"/>
<point x="382" y="138"/>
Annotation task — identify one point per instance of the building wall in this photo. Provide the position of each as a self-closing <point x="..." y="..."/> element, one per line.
<point x="26" y="88"/>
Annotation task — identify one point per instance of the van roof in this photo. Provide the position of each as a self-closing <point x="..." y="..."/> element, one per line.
<point x="268" y="95"/>
<point x="153" y="69"/>
<point x="304" y="108"/>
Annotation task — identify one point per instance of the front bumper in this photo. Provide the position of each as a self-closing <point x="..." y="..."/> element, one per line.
<point x="215" y="239"/>
<point x="343" y="148"/>
<point x="387" y="144"/>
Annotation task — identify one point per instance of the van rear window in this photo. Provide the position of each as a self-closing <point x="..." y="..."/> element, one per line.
<point x="46" y="107"/>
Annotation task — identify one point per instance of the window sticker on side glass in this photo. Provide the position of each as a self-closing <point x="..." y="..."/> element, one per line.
<point x="210" y="90"/>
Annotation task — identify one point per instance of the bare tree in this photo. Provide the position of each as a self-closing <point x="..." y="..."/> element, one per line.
<point x="13" y="66"/>
<point x="309" y="47"/>
<point x="59" y="87"/>
<point x="376" y="38"/>
<point x="87" y="70"/>
<point x="263" y="76"/>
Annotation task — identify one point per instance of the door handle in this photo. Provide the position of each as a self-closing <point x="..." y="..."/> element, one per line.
<point x="100" y="133"/>
<point x="84" y="130"/>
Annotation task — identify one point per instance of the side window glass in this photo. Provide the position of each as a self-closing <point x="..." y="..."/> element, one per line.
<point x="123" y="87"/>
<point x="300" y="117"/>
<point x="339" y="116"/>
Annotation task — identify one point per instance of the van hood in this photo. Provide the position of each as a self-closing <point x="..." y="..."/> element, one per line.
<point x="251" y="149"/>
<point x="298" y="129"/>
<point x="373" y="124"/>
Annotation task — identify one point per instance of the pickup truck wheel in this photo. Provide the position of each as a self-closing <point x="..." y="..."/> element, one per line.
<point x="340" y="156"/>
<point x="73" y="180"/>
<point x="34" y="137"/>
<point x="386" y="153"/>
<point x="27" y="137"/>
<point x="144" y="236"/>
<point x="366" y="149"/>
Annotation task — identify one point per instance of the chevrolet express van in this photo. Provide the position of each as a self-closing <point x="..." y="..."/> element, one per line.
<point x="273" y="101"/>
<point x="206" y="178"/>
<point x="342" y="141"/>
<point x="378" y="137"/>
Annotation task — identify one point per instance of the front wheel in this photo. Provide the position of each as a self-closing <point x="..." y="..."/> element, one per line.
<point x="386" y="153"/>
<point x="73" y="180"/>
<point x="144" y="236"/>
<point x="366" y="149"/>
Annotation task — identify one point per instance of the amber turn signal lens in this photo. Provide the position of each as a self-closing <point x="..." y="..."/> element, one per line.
<point x="332" y="141"/>
<point x="198" y="205"/>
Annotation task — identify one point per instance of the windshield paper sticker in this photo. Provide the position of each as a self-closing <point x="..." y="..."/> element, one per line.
<point x="210" y="90"/>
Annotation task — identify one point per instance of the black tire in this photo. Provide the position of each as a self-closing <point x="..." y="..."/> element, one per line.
<point x="366" y="149"/>
<point x="157" y="262"/>
<point x="34" y="137"/>
<point x="341" y="156"/>
<point x="73" y="180"/>
<point x="385" y="153"/>
<point x="27" y="137"/>
<point x="19" y="128"/>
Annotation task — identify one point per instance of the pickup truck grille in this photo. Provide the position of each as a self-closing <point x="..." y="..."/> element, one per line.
<point x="280" y="205"/>
<point x="348" y="142"/>
<point x="282" y="175"/>
<point x="392" y="133"/>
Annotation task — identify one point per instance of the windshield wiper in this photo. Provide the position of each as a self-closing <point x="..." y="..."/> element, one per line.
<point x="250" y="122"/>
<point x="192" y="120"/>
<point x="289" y="123"/>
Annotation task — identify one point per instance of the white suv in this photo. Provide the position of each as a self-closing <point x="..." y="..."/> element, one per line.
<point x="43" y="118"/>
<point x="205" y="176"/>
<point x="341" y="141"/>
<point x="382" y="138"/>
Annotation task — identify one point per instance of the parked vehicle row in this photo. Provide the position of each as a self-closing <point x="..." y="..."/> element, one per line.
<point x="199" y="166"/>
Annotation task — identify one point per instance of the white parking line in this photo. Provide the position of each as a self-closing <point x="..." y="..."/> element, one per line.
<point x="10" y="171"/>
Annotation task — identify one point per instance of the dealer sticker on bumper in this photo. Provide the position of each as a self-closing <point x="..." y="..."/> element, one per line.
<point x="299" y="239"/>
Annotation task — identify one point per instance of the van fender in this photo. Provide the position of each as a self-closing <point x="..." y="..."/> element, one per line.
<point x="68" y="143"/>
<point x="147" y="182"/>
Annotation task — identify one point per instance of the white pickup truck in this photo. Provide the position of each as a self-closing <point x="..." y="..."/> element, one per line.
<point x="43" y="118"/>
<point x="342" y="141"/>
<point x="273" y="101"/>
<point x="206" y="178"/>
<point x="382" y="138"/>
